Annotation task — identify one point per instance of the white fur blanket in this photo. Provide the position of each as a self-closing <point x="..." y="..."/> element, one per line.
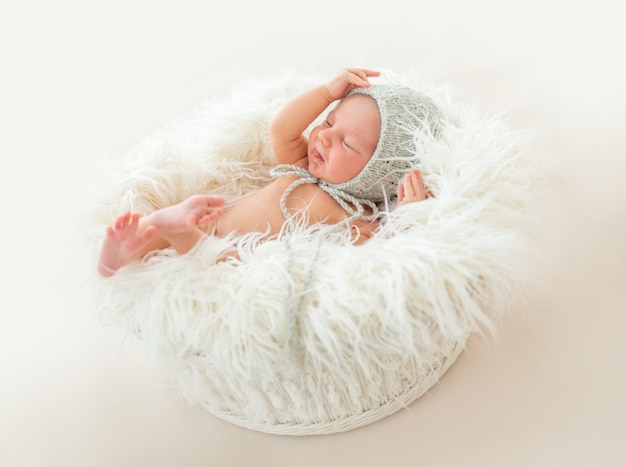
<point x="309" y="334"/>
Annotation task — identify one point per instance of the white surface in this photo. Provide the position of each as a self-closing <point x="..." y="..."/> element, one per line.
<point x="81" y="85"/>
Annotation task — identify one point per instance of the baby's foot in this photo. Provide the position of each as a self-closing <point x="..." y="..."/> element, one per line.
<point x="178" y="224"/>
<point x="181" y="218"/>
<point x="123" y="244"/>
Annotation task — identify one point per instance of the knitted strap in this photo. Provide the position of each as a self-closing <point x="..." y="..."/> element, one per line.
<point x="296" y="309"/>
<point x="351" y="204"/>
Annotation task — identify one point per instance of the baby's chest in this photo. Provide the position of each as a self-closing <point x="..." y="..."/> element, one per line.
<point x="261" y="211"/>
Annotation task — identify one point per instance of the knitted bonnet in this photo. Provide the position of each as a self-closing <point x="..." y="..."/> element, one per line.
<point x="405" y="114"/>
<point x="405" y="117"/>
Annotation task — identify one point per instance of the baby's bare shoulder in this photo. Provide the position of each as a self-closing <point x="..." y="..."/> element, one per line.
<point x="319" y="205"/>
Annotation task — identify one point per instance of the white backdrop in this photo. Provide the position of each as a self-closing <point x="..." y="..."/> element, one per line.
<point x="81" y="84"/>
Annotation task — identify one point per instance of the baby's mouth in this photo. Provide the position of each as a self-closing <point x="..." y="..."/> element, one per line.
<point x="315" y="154"/>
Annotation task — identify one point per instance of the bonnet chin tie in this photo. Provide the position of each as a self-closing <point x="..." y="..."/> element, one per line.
<point x="351" y="204"/>
<point x="296" y="309"/>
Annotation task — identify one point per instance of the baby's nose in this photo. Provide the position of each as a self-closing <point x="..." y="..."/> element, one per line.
<point x="324" y="138"/>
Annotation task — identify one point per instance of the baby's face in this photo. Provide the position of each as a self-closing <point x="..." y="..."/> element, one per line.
<point x="343" y="144"/>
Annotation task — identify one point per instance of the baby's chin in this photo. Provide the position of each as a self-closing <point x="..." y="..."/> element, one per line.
<point x="315" y="163"/>
<point x="316" y="173"/>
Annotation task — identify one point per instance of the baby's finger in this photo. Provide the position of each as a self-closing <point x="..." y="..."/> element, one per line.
<point x="400" y="192"/>
<point x="409" y="186"/>
<point x="358" y="80"/>
<point x="364" y="71"/>
<point x="371" y="73"/>
<point x="359" y="76"/>
<point x="423" y="188"/>
<point x="419" y="183"/>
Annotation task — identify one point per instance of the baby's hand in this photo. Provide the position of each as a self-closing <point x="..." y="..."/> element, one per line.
<point x="412" y="188"/>
<point x="347" y="80"/>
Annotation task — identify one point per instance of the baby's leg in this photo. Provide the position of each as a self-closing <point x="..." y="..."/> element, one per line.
<point x="132" y="237"/>
<point x="128" y="239"/>
<point x="178" y="224"/>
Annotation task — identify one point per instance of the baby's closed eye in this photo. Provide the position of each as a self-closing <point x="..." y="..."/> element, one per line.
<point x="347" y="145"/>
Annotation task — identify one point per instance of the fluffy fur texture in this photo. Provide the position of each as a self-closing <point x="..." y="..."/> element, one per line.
<point x="309" y="334"/>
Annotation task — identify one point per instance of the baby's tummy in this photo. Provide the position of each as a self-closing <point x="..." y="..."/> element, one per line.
<point x="256" y="212"/>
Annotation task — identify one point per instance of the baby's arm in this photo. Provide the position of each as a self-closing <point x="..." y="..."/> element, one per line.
<point x="412" y="188"/>
<point x="290" y="122"/>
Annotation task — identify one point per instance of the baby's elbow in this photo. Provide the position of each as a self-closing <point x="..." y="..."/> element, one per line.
<point x="360" y="236"/>
<point x="273" y="132"/>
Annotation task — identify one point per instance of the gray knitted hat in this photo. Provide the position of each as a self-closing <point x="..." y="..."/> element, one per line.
<point x="405" y="114"/>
